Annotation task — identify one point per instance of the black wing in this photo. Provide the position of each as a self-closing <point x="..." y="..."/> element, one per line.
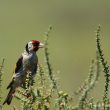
<point x="19" y="64"/>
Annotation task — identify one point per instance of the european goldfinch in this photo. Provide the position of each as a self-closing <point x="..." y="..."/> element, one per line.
<point x="27" y="63"/>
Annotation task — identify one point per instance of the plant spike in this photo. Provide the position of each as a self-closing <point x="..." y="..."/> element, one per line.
<point x="104" y="64"/>
<point x="1" y="69"/>
<point x="50" y="71"/>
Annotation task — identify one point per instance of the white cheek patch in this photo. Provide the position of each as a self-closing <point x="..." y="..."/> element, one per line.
<point x="30" y="46"/>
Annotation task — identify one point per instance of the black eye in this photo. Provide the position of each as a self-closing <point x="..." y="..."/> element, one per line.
<point x="35" y="44"/>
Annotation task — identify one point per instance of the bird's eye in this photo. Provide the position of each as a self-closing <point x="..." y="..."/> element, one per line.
<point x="35" y="44"/>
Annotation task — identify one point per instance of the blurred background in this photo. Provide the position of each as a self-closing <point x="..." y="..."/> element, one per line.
<point x="71" y="42"/>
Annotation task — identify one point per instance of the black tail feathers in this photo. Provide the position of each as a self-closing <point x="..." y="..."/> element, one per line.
<point x="9" y="96"/>
<point x="8" y="100"/>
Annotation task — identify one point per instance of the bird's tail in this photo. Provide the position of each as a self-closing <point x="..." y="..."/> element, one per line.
<point x="9" y="96"/>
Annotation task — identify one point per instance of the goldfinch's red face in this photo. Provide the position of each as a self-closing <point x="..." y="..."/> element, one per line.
<point x="34" y="45"/>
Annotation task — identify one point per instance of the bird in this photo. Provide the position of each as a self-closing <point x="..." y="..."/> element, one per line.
<point x="27" y="63"/>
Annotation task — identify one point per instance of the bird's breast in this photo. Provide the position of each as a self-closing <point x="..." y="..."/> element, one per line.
<point x="30" y="61"/>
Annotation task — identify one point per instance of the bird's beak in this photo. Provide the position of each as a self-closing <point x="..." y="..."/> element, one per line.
<point x="41" y="45"/>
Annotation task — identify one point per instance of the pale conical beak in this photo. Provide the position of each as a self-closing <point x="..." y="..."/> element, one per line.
<point x="41" y="45"/>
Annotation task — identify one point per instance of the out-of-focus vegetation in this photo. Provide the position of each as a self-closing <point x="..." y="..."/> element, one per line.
<point x="71" y="43"/>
